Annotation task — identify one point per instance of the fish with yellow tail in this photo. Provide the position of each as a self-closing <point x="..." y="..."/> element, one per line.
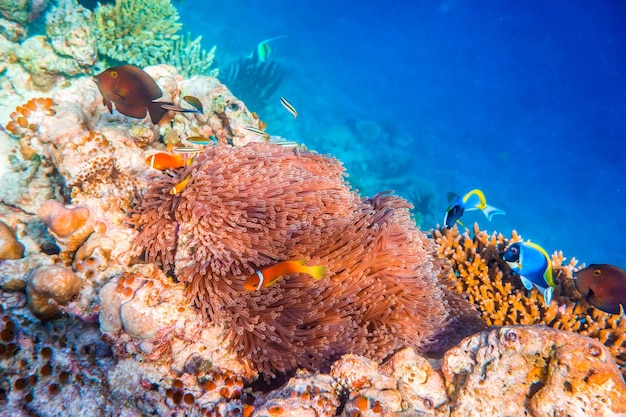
<point x="532" y="263"/>
<point x="266" y="277"/>
<point x="474" y="200"/>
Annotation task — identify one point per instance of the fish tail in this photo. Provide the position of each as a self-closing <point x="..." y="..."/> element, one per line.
<point x="547" y="295"/>
<point x="156" y="112"/>
<point x="317" y="272"/>
<point x="490" y="211"/>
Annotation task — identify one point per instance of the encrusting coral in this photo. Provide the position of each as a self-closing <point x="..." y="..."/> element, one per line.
<point x="50" y="287"/>
<point x="479" y="272"/>
<point x="256" y="205"/>
<point x="71" y="226"/>
<point x="10" y="247"/>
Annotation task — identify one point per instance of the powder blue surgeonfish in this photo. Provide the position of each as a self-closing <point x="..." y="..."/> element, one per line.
<point x="533" y="265"/>
<point x="474" y="200"/>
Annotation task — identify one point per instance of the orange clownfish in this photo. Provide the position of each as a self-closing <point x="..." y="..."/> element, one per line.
<point x="268" y="276"/>
<point x="164" y="160"/>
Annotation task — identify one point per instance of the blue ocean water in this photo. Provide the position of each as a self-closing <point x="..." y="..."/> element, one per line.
<point x="524" y="100"/>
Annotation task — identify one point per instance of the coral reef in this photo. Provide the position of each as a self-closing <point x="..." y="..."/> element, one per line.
<point x="49" y="288"/>
<point x="15" y="14"/>
<point x="514" y="370"/>
<point x="479" y="272"/>
<point x="138" y="32"/>
<point x="190" y="59"/>
<point x="86" y="328"/>
<point x="532" y="370"/>
<point x="70" y="32"/>
<point x="10" y="247"/>
<point x="247" y="207"/>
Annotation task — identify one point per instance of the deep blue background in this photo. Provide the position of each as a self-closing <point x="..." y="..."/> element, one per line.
<point x="524" y="100"/>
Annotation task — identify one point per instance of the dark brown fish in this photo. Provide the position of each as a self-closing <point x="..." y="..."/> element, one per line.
<point x="603" y="286"/>
<point x="133" y="92"/>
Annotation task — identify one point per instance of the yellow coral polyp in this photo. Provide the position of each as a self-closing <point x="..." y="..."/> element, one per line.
<point x="487" y="281"/>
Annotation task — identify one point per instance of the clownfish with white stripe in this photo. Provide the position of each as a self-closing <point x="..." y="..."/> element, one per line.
<point x="268" y="276"/>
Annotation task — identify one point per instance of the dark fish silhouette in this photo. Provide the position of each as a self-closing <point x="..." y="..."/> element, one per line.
<point x="133" y="92"/>
<point x="603" y="286"/>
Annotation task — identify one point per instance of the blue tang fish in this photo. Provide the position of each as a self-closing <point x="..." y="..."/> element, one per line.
<point x="474" y="200"/>
<point x="533" y="265"/>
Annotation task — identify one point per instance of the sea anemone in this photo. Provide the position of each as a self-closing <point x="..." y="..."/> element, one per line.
<point x="252" y="206"/>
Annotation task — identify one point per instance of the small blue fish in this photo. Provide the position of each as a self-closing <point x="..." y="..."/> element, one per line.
<point x="474" y="200"/>
<point x="533" y="265"/>
<point x="263" y="50"/>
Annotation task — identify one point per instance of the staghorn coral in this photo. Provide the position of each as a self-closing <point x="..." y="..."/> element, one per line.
<point x="489" y="283"/>
<point x="189" y="58"/>
<point x="251" y="206"/>
<point x="50" y="287"/>
<point x="139" y="32"/>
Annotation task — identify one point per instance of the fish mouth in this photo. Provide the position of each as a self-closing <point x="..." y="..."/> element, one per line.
<point x="583" y="293"/>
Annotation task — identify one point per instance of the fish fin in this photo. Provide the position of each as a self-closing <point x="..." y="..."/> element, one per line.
<point x="547" y="295"/>
<point x="156" y="111"/>
<point x="451" y="197"/>
<point x="593" y="299"/>
<point x="490" y="211"/>
<point x="174" y="107"/>
<point x="460" y="222"/>
<point x="317" y="272"/>
<point x="528" y="284"/>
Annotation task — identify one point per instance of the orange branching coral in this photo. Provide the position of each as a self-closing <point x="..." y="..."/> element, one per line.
<point x="25" y="121"/>
<point x="481" y="274"/>
<point x="247" y="207"/>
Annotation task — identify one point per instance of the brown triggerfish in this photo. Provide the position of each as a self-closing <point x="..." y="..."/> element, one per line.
<point x="133" y="92"/>
<point x="603" y="286"/>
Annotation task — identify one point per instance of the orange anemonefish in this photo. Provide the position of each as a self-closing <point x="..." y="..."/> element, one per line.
<point x="164" y="160"/>
<point x="268" y="276"/>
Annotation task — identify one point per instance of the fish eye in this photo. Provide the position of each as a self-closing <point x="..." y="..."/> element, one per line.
<point x="113" y="74"/>
<point x="596" y="272"/>
<point x="514" y="250"/>
<point x="233" y="106"/>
